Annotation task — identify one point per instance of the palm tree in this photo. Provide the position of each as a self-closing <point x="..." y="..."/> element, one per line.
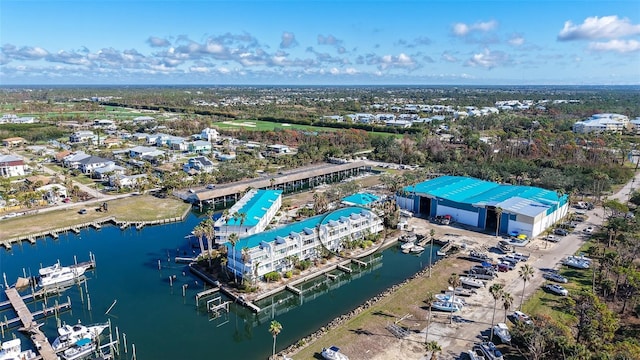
<point x="199" y="232"/>
<point x="507" y="301"/>
<point x="454" y="282"/>
<point x="496" y="291"/>
<point x="233" y="239"/>
<point x="429" y="301"/>
<point x="209" y="234"/>
<point x="275" y="329"/>
<point x="434" y="347"/>
<point x="526" y="273"/>
<point x="498" y="216"/>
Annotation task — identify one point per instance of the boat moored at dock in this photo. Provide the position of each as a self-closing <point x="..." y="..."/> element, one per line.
<point x="68" y="335"/>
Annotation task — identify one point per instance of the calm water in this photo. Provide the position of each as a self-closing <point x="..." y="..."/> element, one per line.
<point x="165" y="325"/>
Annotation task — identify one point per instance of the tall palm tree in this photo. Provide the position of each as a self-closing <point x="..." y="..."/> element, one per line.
<point x="454" y="282"/>
<point x="199" y="232"/>
<point x="233" y="239"/>
<point x="507" y="301"/>
<point x="429" y="301"/>
<point x="526" y="273"/>
<point x="275" y="328"/>
<point x="496" y="291"/>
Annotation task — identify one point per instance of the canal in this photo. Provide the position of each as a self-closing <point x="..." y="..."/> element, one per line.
<point x="164" y="324"/>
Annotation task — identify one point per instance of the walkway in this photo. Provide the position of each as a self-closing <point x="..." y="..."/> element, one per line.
<point x="38" y="337"/>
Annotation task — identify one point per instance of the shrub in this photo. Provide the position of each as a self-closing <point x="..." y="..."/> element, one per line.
<point x="288" y="274"/>
<point x="272" y="276"/>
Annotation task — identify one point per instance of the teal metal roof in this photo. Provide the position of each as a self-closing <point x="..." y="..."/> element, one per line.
<point x="303" y="226"/>
<point x="360" y="199"/>
<point x="479" y="192"/>
<point x="255" y="208"/>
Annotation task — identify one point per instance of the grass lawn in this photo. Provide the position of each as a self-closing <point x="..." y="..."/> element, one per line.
<point x="135" y="208"/>
<point x="258" y="125"/>
<point x="408" y="299"/>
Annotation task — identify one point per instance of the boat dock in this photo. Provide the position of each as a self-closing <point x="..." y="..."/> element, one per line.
<point x="27" y="319"/>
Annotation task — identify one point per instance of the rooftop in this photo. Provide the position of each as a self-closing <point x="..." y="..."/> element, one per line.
<point x="360" y="199"/>
<point x="255" y="207"/>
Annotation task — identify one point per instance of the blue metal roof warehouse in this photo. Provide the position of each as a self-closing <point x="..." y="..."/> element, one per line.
<point x="524" y="209"/>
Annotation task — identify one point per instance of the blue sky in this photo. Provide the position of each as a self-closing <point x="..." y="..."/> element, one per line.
<point x="320" y="42"/>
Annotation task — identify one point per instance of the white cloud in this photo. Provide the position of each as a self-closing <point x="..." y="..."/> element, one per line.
<point x="199" y="69"/>
<point x="488" y="59"/>
<point x="446" y="56"/>
<point x="516" y="40"/>
<point x="462" y="29"/>
<point x="606" y="27"/>
<point x="158" y="42"/>
<point x="621" y="46"/>
<point x="288" y="40"/>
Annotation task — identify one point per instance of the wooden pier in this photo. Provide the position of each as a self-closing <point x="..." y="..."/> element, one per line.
<point x="28" y="323"/>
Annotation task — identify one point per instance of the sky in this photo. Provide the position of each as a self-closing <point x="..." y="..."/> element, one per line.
<point x="320" y="42"/>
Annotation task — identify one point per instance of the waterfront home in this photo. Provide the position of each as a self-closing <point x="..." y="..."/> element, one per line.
<point x="250" y="215"/>
<point x="11" y="165"/>
<point x="53" y="192"/>
<point x="274" y="250"/>
<point x="120" y="181"/>
<point x="199" y="164"/>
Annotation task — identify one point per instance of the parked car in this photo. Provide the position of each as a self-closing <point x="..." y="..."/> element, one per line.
<point x="555" y="277"/>
<point x="505" y="266"/>
<point x="588" y="230"/>
<point x="82" y="211"/>
<point x="561" y="232"/>
<point x="211" y="186"/>
<point x="557" y="289"/>
<point x="552" y="238"/>
<point x="519" y="316"/>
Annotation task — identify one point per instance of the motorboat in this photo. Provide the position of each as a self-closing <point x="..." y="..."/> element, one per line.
<point x="489" y="350"/>
<point x="478" y="256"/>
<point x="502" y="331"/>
<point x="460" y="291"/>
<point x="12" y="350"/>
<point x="475" y="354"/>
<point x="449" y="298"/>
<point x="68" y="335"/>
<point x="471" y="282"/>
<point x="333" y="353"/>
<point x="56" y="274"/>
<point x="417" y="249"/>
<point x="447" y="306"/>
<point x="576" y="262"/>
<point x="408" y="245"/>
<point x="79" y="349"/>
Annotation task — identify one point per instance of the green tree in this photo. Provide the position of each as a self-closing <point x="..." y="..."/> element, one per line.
<point x="233" y="239"/>
<point x="434" y="348"/>
<point x="496" y="292"/>
<point x="525" y="273"/>
<point x="507" y="301"/>
<point x="454" y="282"/>
<point x="274" y="328"/>
<point x="429" y="300"/>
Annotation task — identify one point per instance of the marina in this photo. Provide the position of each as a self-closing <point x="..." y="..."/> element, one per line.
<point x="173" y="297"/>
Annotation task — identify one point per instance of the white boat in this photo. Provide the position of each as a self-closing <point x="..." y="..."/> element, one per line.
<point x="56" y="274"/>
<point x="12" y="350"/>
<point x="449" y="298"/>
<point x="79" y="349"/>
<point x="475" y="354"/>
<point x="460" y="291"/>
<point x="489" y="350"/>
<point x="408" y="245"/>
<point x="333" y="353"/>
<point x="576" y="262"/>
<point x="447" y="306"/>
<point x="469" y="281"/>
<point x="478" y="256"/>
<point x="417" y="249"/>
<point x="69" y="335"/>
<point x="502" y="331"/>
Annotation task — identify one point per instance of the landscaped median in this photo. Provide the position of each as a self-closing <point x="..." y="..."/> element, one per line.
<point x="131" y="209"/>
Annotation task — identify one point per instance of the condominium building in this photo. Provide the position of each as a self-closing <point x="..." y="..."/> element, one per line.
<point x="251" y="214"/>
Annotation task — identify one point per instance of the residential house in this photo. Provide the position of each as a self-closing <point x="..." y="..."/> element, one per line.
<point x="104" y="172"/>
<point x="398" y="123"/>
<point x="53" y="193"/>
<point x="83" y="136"/>
<point x="279" y="149"/>
<point x="72" y="161"/>
<point x="11" y="165"/>
<point x="198" y="164"/>
<point x="13" y="142"/>
<point x="111" y="142"/>
<point x="209" y="134"/>
<point x="130" y="181"/>
<point x="145" y="152"/>
<point x="200" y="147"/>
<point x="87" y="165"/>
